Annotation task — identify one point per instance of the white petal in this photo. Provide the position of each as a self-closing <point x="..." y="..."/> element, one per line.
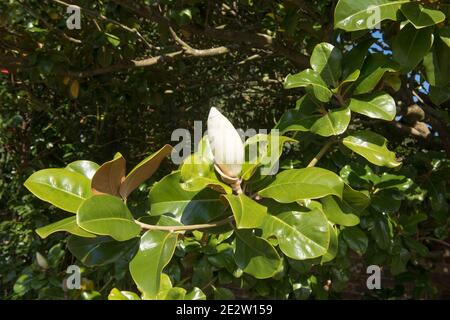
<point x="226" y="144"/>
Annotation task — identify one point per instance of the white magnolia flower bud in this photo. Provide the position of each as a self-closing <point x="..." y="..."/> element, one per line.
<point x="226" y="144"/>
<point x="41" y="261"/>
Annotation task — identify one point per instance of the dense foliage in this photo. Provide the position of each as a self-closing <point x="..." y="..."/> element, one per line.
<point x="358" y="89"/>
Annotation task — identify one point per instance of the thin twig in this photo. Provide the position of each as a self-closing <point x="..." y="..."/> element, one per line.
<point x="321" y="153"/>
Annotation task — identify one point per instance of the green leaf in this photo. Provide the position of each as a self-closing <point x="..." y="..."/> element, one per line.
<point x="375" y="66"/>
<point x="301" y="235"/>
<point x="326" y="61"/>
<point x="189" y="207"/>
<point x="107" y="215"/>
<point x="302" y="117"/>
<point x="155" y="251"/>
<point x="356" y="200"/>
<point x="61" y="187"/>
<point x="84" y="167"/>
<point x="353" y="15"/>
<point x="255" y="255"/>
<point x="100" y="250"/>
<point x="311" y="80"/>
<point x="437" y="65"/>
<point x="420" y="16"/>
<point x="354" y="60"/>
<point x="439" y="95"/>
<point x="392" y="181"/>
<point x="399" y="261"/>
<point x="444" y="34"/>
<point x="108" y="178"/>
<point x="385" y="201"/>
<point x="263" y="151"/>
<point x="371" y="146"/>
<point x="296" y="120"/>
<point x="116" y="294"/>
<point x="333" y="246"/>
<point x="68" y="225"/>
<point x="300" y="184"/>
<point x="195" y="294"/>
<point x="376" y="105"/>
<point x="356" y="239"/>
<point x="381" y="232"/>
<point x="143" y="171"/>
<point x="337" y="212"/>
<point x="197" y="170"/>
<point x="411" y="45"/>
<point x="416" y="246"/>
<point x="223" y="294"/>
<point x="247" y="212"/>
<point x="333" y="123"/>
<point x="113" y="39"/>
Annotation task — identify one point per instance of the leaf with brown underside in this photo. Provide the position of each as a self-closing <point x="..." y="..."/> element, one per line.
<point x="144" y="170"/>
<point x="108" y="178"/>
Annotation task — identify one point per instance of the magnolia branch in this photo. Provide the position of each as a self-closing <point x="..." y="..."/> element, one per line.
<point x="219" y="223"/>
<point x="321" y="153"/>
<point x="253" y="40"/>
<point x="148" y="62"/>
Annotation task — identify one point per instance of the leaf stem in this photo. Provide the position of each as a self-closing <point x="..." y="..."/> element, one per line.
<point x="186" y="228"/>
<point x="321" y="153"/>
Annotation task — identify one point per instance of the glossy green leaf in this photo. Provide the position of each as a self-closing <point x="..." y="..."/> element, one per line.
<point x="393" y="181"/>
<point x="301" y="118"/>
<point x="247" y="212"/>
<point x="100" y="250"/>
<point x="107" y="215"/>
<point x="333" y="246"/>
<point x="326" y="60"/>
<point x="371" y="146"/>
<point x="311" y="80"/>
<point x="195" y="294"/>
<point x="421" y="16"/>
<point x="296" y="120"/>
<point x="301" y="234"/>
<point x="68" y="225"/>
<point x="437" y="64"/>
<point x="356" y="239"/>
<point x="299" y="184"/>
<point x="61" y="187"/>
<point x="255" y="255"/>
<point x="263" y="151"/>
<point x="376" y="105"/>
<point x="354" y="60"/>
<point x="356" y="200"/>
<point x="155" y="251"/>
<point x="84" y="167"/>
<point x="337" y="212"/>
<point x="144" y="170"/>
<point x="353" y="15"/>
<point x="333" y="123"/>
<point x="375" y="66"/>
<point x="444" y="34"/>
<point x="411" y="45"/>
<point x="116" y="294"/>
<point x="190" y="207"/>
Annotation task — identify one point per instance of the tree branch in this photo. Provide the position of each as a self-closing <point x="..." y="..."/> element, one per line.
<point x="253" y="40"/>
<point x="321" y="153"/>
